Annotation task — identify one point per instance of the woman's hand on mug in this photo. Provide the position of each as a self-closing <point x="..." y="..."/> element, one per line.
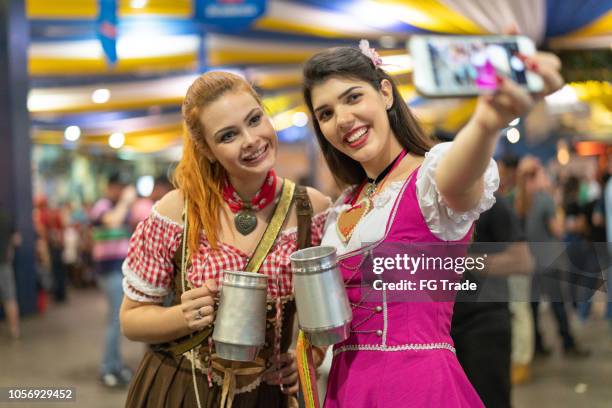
<point x="197" y="305"/>
<point x="495" y="111"/>
<point x="287" y="374"/>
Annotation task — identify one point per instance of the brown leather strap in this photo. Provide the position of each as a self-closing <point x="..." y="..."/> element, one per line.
<point x="303" y="208"/>
<point x="281" y="211"/>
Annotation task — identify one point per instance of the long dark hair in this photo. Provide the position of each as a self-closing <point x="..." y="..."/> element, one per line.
<point x="352" y="63"/>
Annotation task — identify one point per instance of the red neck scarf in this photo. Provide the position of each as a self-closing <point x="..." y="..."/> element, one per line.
<point x="261" y="200"/>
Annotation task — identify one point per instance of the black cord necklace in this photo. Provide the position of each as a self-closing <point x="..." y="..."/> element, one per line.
<point x="370" y="188"/>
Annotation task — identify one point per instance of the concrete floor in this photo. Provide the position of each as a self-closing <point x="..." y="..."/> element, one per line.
<point x="63" y="348"/>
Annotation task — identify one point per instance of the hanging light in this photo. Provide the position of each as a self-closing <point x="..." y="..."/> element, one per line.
<point x="72" y="133"/>
<point x="563" y="155"/>
<point x="100" y="95"/>
<point x="116" y="140"/>
<point x="299" y="119"/>
<point x="513" y="135"/>
<point x="515" y="122"/>
<point x="138" y="4"/>
<point x="145" y="185"/>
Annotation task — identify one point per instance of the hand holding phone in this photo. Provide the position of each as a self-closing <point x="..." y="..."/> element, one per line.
<point x="453" y="66"/>
<point x="510" y="100"/>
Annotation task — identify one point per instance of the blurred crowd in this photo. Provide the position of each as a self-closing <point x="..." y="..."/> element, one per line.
<point x="571" y="209"/>
<point x="82" y="246"/>
<point x="65" y="236"/>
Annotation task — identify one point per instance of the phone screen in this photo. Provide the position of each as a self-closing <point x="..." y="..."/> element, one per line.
<point x="470" y="66"/>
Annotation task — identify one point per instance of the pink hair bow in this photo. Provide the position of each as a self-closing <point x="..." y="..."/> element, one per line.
<point x="364" y="46"/>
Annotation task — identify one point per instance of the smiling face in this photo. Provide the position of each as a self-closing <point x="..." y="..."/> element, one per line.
<point x="239" y="135"/>
<point x="352" y="116"/>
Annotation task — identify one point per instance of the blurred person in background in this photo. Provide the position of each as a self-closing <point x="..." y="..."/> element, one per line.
<point x="507" y="166"/>
<point x="607" y="219"/>
<point x="109" y="217"/>
<point x="518" y="286"/>
<point x="599" y="260"/>
<point x="86" y="246"/>
<point x="72" y="245"/>
<point x="543" y="221"/>
<point x="481" y="325"/>
<point x="49" y="226"/>
<point x="9" y="240"/>
<point x="144" y="205"/>
<point x="584" y="264"/>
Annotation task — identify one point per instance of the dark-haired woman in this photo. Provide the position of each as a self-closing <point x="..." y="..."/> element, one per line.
<point x="401" y="190"/>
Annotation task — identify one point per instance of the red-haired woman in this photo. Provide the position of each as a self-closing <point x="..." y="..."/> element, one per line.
<point x="227" y="189"/>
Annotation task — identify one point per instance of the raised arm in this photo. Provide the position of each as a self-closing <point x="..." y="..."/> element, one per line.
<point x="459" y="176"/>
<point x="116" y="217"/>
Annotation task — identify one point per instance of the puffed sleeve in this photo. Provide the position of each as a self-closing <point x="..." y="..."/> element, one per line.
<point x="148" y="269"/>
<point x="443" y="222"/>
<point x="317" y="226"/>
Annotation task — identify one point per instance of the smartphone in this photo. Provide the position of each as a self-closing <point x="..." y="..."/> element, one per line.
<point x="457" y="66"/>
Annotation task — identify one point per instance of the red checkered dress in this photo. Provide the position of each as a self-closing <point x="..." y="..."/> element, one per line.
<point x="149" y="270"/>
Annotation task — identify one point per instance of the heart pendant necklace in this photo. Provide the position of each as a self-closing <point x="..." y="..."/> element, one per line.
<point x="349" y="218"/>
<point x="245" y="219"/>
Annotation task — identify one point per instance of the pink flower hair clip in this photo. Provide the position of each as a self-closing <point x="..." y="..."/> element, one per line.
<point x="364" y="46"/>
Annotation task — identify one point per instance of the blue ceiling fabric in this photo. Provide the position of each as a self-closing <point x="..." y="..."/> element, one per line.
<point x="75" y="30"/>
<point x="565" y="16"/>
<point x="229" y="16"/>
<point x="106" y="28"/>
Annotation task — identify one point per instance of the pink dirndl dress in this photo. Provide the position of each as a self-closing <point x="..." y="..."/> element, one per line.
<point x="398" y="354"/>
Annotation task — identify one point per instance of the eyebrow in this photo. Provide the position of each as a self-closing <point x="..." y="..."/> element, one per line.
<point x="245" y="118"/>
<point x="342" y="95"/>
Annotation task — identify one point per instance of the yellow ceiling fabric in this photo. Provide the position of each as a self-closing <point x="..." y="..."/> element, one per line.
<point x="433" y="16"/>
<point x="279" y="80"/>
<point x="142" y="141"/>
<point x="88" y="9"/>
<point x="61" y="9"/>
<point x="280" y="103"/>
<point x="62" y="66"/>
<point x="457" y="117"/>
<point x="284" y="25"/>
<point x="594" y="92"/>
<point x="250" y="56"/>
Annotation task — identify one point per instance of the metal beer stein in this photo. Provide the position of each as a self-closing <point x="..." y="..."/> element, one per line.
<point x="240" y="325"/>
<point x="324" y="311"/>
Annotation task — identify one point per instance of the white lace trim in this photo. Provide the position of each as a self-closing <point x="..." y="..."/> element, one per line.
<point x="130" y="292"/>
<point x="216" y="377"/>
<point x="168" y="220"/>
<point x="443" y="222"/>
<point x="381" y="199"/>
<point x="401" y="347"/>
<point x="140" y="284"/>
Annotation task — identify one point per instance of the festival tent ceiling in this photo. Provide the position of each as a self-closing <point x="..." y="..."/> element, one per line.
<point x="161" y="48"/>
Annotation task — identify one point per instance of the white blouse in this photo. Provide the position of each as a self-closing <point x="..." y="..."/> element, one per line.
<point x="443" y="222"/>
